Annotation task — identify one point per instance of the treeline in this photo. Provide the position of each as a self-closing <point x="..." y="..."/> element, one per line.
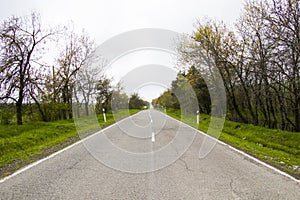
<point x="33" y="90"/>
<point x="258" y="60"/>
<point x="191" y="77"/>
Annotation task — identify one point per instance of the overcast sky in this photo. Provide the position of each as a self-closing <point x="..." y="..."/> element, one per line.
<point x="103" y="19"/>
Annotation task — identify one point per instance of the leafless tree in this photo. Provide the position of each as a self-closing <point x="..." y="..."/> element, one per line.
<point x="21" y="43"/>
<point x="258" y="62"/>
<point x="76" y="52"/>
<point x="87" y="81"/>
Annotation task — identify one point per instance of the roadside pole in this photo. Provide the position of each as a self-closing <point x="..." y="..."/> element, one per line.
<point x="104" y="116"/>
<point x="197" y="117"/>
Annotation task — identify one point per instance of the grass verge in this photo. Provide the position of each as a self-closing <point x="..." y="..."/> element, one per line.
<point x="21" y="145"/>
<point x="280" y="149"/>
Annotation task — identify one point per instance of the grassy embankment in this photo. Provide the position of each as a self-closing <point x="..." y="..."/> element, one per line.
<point x="21" y="145"/>
<point x="278" y="148"/>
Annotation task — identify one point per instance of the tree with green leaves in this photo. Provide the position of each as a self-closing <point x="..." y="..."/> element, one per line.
<point x="136" y="102"/>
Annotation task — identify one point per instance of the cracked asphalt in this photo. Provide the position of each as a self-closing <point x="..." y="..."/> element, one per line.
<point x="223" y="174"/>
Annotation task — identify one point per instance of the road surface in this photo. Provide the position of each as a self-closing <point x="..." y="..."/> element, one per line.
<point x="79" y="174"/>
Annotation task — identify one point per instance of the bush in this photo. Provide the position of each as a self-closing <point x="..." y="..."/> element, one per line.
<point x="6" y="114"/>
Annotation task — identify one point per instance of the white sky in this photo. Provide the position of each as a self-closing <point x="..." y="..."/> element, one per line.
<point x="103" y="19"/>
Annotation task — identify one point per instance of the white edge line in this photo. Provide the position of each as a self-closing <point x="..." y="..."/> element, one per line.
<point x="80" y="141"/>
<point x="23" y="169"/>
<point x="240" y="152"/>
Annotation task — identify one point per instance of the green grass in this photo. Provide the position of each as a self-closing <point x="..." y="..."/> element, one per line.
<point x="21" y="145"/>
<point x="278" y="148"/>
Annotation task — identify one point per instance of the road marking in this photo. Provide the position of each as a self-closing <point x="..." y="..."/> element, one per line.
<point x="25" y="168"/>
<point x="241" y="152"/>
<point x="153" y="137"/>
<point x="150" y="116"/>
<point x="80" y="141"/>
<point x="151" y="121"/>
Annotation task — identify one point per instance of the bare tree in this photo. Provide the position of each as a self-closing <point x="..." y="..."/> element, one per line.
<point x="88" y="81"/>
<point x="284" y="20"/>
<point x="259" y="63"/>
<point x="21" y="42"/>
<point x="271" y="32"/>
<point x="77" y="51"/>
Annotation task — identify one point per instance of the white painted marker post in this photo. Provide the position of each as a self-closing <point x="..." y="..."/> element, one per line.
<point x="197" y="116"/>
<point x="104" y="116"/>
<point x="153" y="137"/>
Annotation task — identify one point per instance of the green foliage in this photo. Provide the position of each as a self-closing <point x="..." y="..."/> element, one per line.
<point x="119" y="101"/>
<point x="257" y="61"/>
<point x="182" y="90"/>
<point x="200" y="88"/>
<point x="167" y="100"/>
<point x="135" y="102"/>
<point x="7" y="113"/>
<point x="104" y="95"/>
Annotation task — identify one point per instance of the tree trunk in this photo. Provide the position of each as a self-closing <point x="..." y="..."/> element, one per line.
<point x="297" y="115"/>
<point x="19" y="111"/>
<point x="44" y="117"/>
<point x="86" y="109"/>
<point x="65" y="105"/>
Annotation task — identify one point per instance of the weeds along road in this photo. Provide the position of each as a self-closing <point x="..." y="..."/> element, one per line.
<point x="78" y="174"/>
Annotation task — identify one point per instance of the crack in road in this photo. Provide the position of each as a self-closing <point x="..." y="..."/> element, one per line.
<point x="74" y="164"/>
<point x="234" y="193"/>
<point x="186" y="165"/>
<point x="76" y="174"/>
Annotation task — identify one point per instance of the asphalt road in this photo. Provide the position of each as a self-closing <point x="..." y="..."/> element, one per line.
<point x="85" y="170"/>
